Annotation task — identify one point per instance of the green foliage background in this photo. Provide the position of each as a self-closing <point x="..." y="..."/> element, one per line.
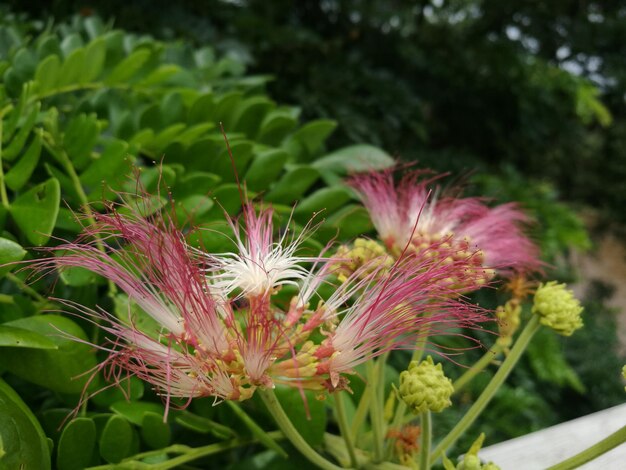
<point x="447" y="85"/>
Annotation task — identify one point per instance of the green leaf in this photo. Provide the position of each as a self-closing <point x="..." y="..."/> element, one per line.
<point x="15" y="115"/>
<point x="127" y="68"/>
<point x="202" y="110"/>
<point x="326" y="199"/>
<point x="93" y="26"/>
<point x="77" y="444"/>
<point x="47" y="74"/>
<point x="293" y="184"/>
<point x="12" y="336"/>
<point x="249" y="114"/>
<point x="108" y="168"/>
<point x="197" y="182"/>
<point x="193" y="133"/>
<point x="35" y="211"/>
<point x="129" y="388"/>
<point x="312" y="425"/>
<point x="48" y="45"/>
<point x="548" y="362"/>
<point x="166" y="136"/>
<point x="136" y="410"/>
<point x="265" y="169"/>
<point x="23" y="443"/>
<point x="352" y="221"/>
<point x="73" y="68"/>
<point x="160" y="75"/>
<point x="70" y="43"/>
<point x="155" y="433"/>
<point x="353" y="159"/>
<point x="77" y="276"/>
<point x="228" y="200"/>
<point x="276" y="125"/>
<point x="308" y="140"/>
<point x="172" y="108"/>
<point x="222" y="164"/>
<point x="10" y="252"/>
<point x="116" y="439"/>
<point x="193" y="207"/>
<point x="61" y="370"/>
<point x="21" y="172"/>
<point x="18" y="142"/>
<point x="80" y="137"/>
<point x="95" y="57"/>
<point x="224" y="109"/>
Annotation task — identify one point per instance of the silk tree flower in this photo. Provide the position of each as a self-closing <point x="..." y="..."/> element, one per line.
<point x="414" y="214"/>
<point x="217" y="330"/>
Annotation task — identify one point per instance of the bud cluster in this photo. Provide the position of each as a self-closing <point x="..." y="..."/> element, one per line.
<point x="423" y="386"/>
<point x="558" y="308"/>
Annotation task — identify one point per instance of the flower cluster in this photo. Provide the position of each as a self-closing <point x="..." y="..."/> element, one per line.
<point x="218" y="329"/>
<point x="413" y="216"/>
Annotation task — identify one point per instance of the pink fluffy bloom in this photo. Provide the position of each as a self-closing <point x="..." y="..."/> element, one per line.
<point x="260" y="263"/>
<point x="216" y="330"/>
<point x="412" y="212"/>
<point x="396" y="306"/>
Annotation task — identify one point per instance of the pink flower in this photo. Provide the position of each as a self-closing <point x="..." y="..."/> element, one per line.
<point x="414" y="213"/>
<point x="217" y="330"/>
<point x="415" y="297"/>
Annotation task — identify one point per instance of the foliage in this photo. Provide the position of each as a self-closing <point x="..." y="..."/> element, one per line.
<point x="82" y="103"/>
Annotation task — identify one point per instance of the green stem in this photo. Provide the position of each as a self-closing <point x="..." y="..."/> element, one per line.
<point x="376" y="411"/>
<point x="397" y="423"/>
<point x="605" y="445"/>
<point x="426" y="437"/>
<point x="342" y="421"/>
<point x="498" y="379"/>
<point x="478" y="367"/>
<point x="291" y="433"/>
<point x="361" y="413"/>
<point x="188" y="454"/>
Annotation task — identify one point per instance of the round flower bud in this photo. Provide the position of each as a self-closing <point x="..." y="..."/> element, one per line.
<point x="558" y="308"/>
<point x="425" y="387"/>
<point x="469" y="462"/>
<point x="490" y="466"/>
<point x="363" y="252"/>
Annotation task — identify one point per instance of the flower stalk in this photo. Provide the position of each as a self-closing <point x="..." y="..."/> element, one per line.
<point x="342" y="421"/>
<point x="605" y="445"/>
<point x="376" y="411"/>
<point x="291" y="433"/>
<point x="425" y="440"/>
<point x="478" y="367"/>
<point x="485" y="397"/>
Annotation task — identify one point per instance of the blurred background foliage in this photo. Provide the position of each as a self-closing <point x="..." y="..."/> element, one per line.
<point x="521" y="100"/>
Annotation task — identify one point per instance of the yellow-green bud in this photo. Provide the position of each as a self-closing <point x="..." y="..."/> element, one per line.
<point x="425" y="387"/>
<point x="624" y="374"/>
<point x="558" y="308"/>
<point x="362" y="252"/>
<point x="508" y="321"/>
<point x="471" y="461"/>
<point x="490" y="466"/>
